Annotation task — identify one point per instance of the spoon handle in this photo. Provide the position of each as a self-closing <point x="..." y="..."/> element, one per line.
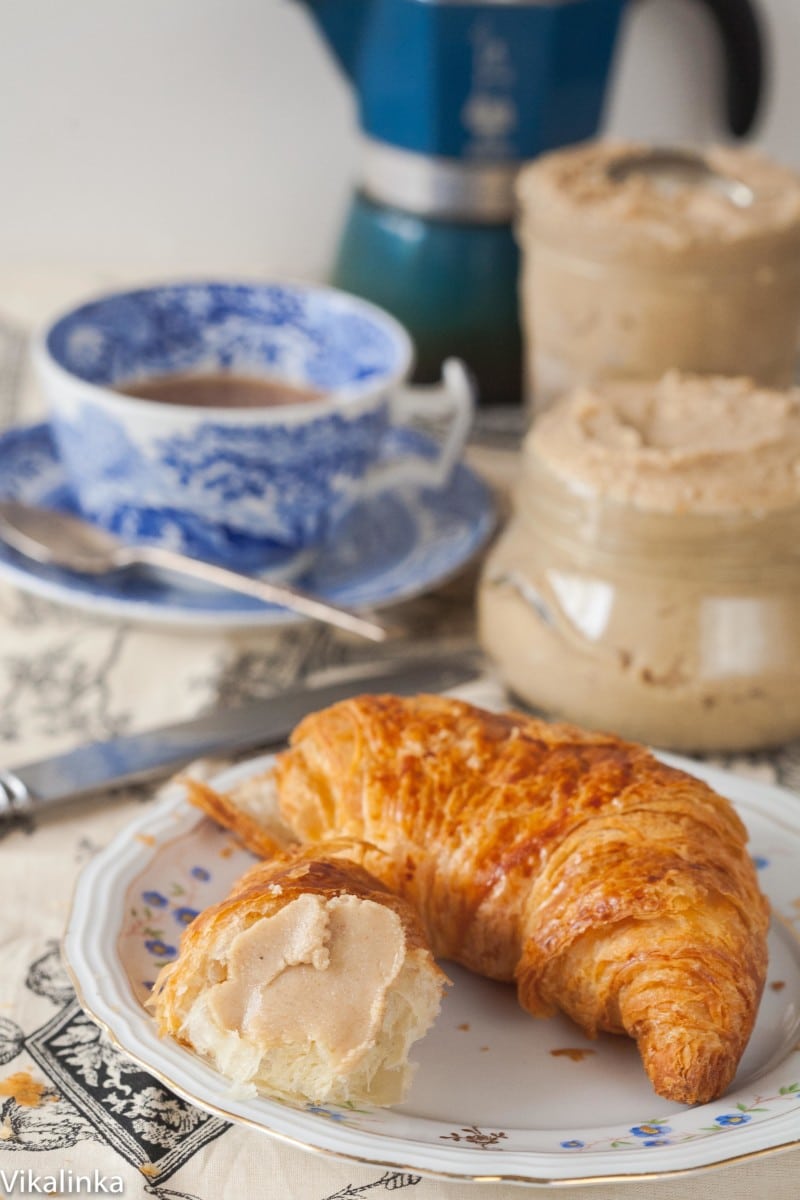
<point x="283" y="594"/>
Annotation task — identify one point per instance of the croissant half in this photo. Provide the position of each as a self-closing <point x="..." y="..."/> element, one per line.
<point x="610" y="886"/>
<point x="310" y="981"/>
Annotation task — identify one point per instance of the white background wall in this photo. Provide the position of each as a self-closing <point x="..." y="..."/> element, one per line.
<point x="156" y="137"/>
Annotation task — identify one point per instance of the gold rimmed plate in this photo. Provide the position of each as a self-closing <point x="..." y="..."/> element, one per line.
<point x="497" y="1095"/>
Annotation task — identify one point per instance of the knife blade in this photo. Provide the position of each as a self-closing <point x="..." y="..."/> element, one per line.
<point x="135" y="758"/>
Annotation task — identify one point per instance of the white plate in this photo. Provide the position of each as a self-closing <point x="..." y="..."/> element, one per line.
<point x="391" y="548"/>
<point x="498" y="1095"/>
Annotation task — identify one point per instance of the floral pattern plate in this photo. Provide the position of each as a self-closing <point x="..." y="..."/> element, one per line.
<point x="391" y="548"/>
<point x="497" y="1095"/>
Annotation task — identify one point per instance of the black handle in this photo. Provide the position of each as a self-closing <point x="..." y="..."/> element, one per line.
<point x="743" y="46"/>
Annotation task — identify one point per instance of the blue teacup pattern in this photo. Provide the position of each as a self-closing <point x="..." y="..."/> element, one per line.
<point x="281" y="488"/>
<point x="311" y="336"/>
<point x="248" y="490"/>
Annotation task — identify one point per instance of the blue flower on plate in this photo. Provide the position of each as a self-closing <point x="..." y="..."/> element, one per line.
<point x="573" y="1144"/>
<point x="160" y="948"/>
<point x="729" y="1119"/>
<point x="759" y="862"/>
<point x="155" y="899"/>
<point x="200" y="873"/>
<point x="658" y="1142"/>
<point x="184" y="916"/>
<point x="320" y="1110"/>
<point x="650" y="1130"/>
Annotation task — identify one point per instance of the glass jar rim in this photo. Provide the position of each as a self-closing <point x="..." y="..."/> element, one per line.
<point x="717" y="543"/>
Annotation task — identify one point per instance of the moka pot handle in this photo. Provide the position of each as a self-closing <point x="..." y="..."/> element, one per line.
<point x="741" y="32"/>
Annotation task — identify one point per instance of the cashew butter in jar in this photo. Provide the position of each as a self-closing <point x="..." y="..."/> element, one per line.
<point x="648" y="583"/>
<point x="637" y="261"/>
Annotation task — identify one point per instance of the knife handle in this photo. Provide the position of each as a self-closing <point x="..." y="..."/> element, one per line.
<point x="15" y="797"/>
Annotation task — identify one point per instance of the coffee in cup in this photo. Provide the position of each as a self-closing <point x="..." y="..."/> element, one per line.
<point x="151" y="455"/>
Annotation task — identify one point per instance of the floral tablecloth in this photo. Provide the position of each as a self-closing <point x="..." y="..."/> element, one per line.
<point x="70" y="1104"/>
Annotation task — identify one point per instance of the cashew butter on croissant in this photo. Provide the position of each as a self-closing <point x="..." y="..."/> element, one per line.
<point x="310" y="981"/>
<point x="649" y="581"/>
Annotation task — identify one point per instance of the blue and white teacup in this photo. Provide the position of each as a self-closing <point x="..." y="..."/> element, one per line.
<point x="254" y="488"/>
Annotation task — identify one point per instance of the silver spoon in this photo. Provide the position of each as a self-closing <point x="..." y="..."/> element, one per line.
<point x="673" y="166"/>
<point x="58" y="539"/>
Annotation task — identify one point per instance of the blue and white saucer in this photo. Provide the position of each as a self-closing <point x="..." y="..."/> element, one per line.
<point x="390" y="548"/>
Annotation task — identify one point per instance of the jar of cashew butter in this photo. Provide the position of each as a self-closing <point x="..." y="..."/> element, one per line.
<point x="636" y="260"/>
<point x="648" y="582"/>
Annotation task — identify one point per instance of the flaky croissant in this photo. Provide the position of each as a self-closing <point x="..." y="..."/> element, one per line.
<point x="310" y="981"/>
<point x="608" y="885"/>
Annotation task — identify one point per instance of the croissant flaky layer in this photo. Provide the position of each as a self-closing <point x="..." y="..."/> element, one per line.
<point x="309" y="981"/>
<point x="608" y="885"/>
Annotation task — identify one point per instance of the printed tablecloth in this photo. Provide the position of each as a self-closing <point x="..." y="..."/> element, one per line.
<point x="72" y="1108"/>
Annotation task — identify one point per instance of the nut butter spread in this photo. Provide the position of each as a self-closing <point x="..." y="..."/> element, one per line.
<point x="630" y="272"/>
<point x="649" y="581"/>
<point x="660" y="214"/>
<point x="317" y="970"/>
<point x="681" y="444"/>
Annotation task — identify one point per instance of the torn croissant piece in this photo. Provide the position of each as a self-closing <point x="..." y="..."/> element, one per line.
<point x="612" y="887"/>
<point x="309" y="982"/>
<point x="249" y="811"/>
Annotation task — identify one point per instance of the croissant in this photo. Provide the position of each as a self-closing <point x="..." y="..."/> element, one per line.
<point x="610" y="886"/>
<point x="310" y="981"/>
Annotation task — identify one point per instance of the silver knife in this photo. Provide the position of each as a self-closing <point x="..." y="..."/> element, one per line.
<point x="98" y="766"/>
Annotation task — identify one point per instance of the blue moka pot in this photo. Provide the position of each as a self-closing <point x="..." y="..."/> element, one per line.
<point x="453" y="97"/>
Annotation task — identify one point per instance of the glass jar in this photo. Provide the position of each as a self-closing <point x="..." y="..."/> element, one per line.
<point x="678" y="629"/>
<point x="628" y="274"/>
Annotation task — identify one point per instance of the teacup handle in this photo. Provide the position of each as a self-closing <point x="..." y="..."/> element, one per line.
<point x="452" y="400"/>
